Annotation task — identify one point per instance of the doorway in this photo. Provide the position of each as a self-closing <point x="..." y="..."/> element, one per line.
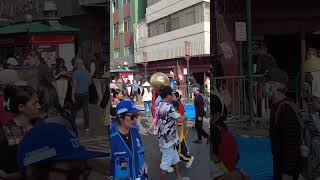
<point x="286" y="50"/>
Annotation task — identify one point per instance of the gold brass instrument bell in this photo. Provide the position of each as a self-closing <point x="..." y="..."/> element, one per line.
<point x="159" y="80"/>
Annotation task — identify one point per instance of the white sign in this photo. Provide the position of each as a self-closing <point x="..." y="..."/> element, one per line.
<point x="241" y="31"/>
<point x="185" y="71"/>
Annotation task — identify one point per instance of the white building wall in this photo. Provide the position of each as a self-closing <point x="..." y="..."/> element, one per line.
<point x="140" y="40"/>
<point x="164" y="8"/>
<point x="171" y="45"/>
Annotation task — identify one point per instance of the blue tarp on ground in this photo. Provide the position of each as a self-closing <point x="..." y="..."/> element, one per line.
<point x="189" y="111"/>
<point x="255" y="157"/>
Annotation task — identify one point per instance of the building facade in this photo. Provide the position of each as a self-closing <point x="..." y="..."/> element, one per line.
<point x="124" y="14"/>
<point x="168" y="24"/>
<point x="90" y="17"/>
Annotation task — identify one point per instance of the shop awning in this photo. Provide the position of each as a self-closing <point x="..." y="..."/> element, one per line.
<point x="4" y="23"/>
<point x="36" y="27"/>
<point x="121" y="70"/>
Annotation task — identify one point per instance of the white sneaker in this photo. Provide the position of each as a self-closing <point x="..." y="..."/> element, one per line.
<point x="189" y="163"/>
<point x="170" y="170"/>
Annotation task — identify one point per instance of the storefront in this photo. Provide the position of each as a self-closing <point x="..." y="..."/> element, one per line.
<point x="123" y="74"/>
<point x="50" y="41"/>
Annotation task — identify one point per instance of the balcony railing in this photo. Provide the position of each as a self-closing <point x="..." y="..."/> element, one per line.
<point x="92" y="2"/>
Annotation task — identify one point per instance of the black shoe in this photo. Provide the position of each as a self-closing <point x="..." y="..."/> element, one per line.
<point x="197" y="141"/>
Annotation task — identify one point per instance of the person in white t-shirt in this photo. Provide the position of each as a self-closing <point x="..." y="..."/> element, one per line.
<point x="168" y="137"/>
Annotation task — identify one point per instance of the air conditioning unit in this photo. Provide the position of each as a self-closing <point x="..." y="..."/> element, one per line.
<point x="50" y="5"/>
<point x="50" y="9"/>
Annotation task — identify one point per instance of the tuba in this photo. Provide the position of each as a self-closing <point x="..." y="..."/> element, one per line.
<point x="159" y="80"/>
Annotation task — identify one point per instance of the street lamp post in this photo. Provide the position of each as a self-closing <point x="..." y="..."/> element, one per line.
<point x="29" y="18"/>
<point x="145" y="63"/>
<point x="29" y="24"/>
<point x="187" y="57"/>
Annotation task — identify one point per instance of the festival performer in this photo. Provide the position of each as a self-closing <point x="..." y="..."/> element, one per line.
<point x="127" y="153"/>
<point x="168" y="137"/>
<point x="182" y="147"/>
<point x="118" y="96"/>
<point x="153" y="128"/>
<point x="153" y="103"/>
<point x="166" y="118"/>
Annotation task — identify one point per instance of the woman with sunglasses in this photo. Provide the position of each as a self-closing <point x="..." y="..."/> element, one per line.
<point x="127" y="153"/>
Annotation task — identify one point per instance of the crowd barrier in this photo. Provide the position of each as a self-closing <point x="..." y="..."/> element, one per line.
<point x="235" y="93"/>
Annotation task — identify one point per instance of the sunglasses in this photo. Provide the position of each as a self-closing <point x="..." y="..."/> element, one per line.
<point x="132" y="116"/>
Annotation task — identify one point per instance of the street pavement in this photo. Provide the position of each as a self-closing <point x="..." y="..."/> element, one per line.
<point x="95" y="140"/>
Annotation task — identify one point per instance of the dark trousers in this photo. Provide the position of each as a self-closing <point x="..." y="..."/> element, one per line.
<point x="136" y="95"/>
<point x="278" y="170"/>
<point x="200" y="131"/>
<point x="82" y="102"/>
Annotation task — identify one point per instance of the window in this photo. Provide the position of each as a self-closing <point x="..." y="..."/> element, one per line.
<point x="175" y="22"/>
<point x="206" y="13"/>
<point x="186" y="17"/>
<point x="127" y="51"/>
<point x="153" y="29"/>
<point x="126" y="2"/>
<point x="189" y="18"/>
<point x="127" y="24"/>
<point x="116" y="53"/>
<point x="168" y="24"/>
<point x="115" y="4"/>
<point x="161" y="26"/>
<point x="116" y="29"/>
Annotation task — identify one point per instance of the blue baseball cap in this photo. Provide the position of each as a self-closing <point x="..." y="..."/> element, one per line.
<point x="51" y="142"/>
<point x="126" y="106"/>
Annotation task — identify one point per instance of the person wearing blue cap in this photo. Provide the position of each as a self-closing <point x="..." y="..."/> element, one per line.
<point x="50" y="151"/>
<point x="126" y="149"/>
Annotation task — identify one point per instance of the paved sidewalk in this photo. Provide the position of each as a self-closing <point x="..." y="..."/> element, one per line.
<point x="96" y="140"/>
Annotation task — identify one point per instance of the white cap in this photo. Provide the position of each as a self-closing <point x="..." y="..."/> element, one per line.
<point x="146" y="84"/>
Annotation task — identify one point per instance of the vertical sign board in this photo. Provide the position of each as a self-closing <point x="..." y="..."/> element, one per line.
<point x="241" y="35"/>
<point x="241" y="31"/>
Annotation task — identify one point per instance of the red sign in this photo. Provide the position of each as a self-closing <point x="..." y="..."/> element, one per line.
<point x="125" y="73"/>
<point x="52" y="39"/>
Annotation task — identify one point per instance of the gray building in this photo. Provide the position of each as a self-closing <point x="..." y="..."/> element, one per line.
<point x="90" y="16"/>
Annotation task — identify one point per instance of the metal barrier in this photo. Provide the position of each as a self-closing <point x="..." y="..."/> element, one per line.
<point x="235" y="89"/>
<point x="235" y="92"/>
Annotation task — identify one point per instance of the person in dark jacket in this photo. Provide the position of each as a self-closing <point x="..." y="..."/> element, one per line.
<point x="284" y="128"/>
<point x="199" y="108"/>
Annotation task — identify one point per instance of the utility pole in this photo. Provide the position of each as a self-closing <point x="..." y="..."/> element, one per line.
<point x="187" y="57"/>
<point x="249" y="35"/>
<point x="145" y="63"/>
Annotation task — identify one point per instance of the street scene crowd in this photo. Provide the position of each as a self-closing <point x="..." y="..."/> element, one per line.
<point x="159" y="90"/>
<point x="39" y="135"/>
